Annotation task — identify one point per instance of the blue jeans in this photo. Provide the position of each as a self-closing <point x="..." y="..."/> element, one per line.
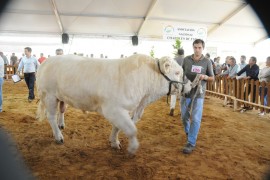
<point x="193" y="127"/>
<point x="1" y="92"/>
<point x="265" y="95"/>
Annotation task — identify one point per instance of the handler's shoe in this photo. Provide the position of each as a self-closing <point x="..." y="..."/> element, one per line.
<point x="171" y="112"/>
<point x="188" y="148"/>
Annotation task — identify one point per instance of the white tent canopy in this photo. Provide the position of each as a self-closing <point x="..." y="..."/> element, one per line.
<point x="41" y="22"/>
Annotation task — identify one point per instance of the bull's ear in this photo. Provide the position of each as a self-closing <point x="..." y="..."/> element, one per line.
<point x="165" y="64"/>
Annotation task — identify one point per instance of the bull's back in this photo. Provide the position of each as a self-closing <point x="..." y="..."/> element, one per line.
<point x="73" y="77"/>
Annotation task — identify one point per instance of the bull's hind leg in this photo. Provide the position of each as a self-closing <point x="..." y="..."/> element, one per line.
<point x="61" y="119"/>
<point x="115" y="143"/>
<point x="51" y="106"/>
<point x="121" y="119"/>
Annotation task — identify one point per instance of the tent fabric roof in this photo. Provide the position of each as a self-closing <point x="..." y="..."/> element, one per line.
<point x="228" y="21"/>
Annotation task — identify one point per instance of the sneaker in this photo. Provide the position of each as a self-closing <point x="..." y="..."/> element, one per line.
<point x="171" y="112"/>
<point x="30" y="100"/>
<point x="261" y="114"/>
<point x="188" y="148"/>
<point x="243" y="110"/>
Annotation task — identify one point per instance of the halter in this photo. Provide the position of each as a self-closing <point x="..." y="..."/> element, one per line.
<point x="170" y="81"/>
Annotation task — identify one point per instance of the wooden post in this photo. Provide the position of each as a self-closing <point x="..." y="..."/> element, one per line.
<point x="251" y="90"/>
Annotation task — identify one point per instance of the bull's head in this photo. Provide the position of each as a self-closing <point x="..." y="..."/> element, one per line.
<point x="173" y="72"/>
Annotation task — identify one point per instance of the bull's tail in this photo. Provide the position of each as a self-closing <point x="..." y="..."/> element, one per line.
<point x="41" y="111"/>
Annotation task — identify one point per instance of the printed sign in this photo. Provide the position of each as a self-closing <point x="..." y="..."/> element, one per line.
<point x="184" y="33"/>
<point x="196" y="69"/>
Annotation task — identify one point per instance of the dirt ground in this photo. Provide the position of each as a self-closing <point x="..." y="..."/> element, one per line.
<point x="230" y="145"/>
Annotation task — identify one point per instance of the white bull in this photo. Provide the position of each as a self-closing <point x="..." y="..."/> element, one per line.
<point x="119" y="89"/>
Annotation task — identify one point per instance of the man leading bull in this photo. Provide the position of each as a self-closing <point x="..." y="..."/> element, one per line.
<point x="195" y="66"/>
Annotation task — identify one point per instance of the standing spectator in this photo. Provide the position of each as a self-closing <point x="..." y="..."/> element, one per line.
<point x="233" y="69"/>
<point x="264" y="76"/>
<point x="14" y="62"/>
<point x="225" y="65"/>
<point x="207" y="56"/>
<point x="179" y="59"/>
<point x="59" y="52"/>
<point x="242" y="65"/>
<point x="217" y="70"/>
<point x="193" y="65"/>
<point x="252" y="72"/>
<point x="1" y="82"/>
<point x="5" y="62"/>
<point x="42" y="58"/>
<point x="30" y="65"/>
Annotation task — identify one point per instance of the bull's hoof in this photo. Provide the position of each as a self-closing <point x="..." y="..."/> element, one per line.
<point x="61" y="126"/>
<point x="61" y="141"/>
<point x="116" y="145"/>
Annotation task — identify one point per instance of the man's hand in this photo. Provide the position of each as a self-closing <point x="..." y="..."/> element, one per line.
<point x="203" y="77"/>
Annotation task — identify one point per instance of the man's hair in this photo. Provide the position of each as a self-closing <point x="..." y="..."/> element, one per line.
<point x="198" y="41"/>
<point x="244" y="57"/>
<point x="59" y="49"/>
<point x="181" y="51"/>
<point x="233" y="59"/>
<point x="254" y="59"/>
<point x="28" y="49"/>
<point x="268" y="58"/>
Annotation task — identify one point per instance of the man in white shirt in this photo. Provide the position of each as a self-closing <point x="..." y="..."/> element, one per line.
<point x="30" y="65"/>
<point x="1" y="82"/>
<point x="242" y="64"/>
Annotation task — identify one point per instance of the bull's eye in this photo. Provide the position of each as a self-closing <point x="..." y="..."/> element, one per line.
<point x="177" y="73"/>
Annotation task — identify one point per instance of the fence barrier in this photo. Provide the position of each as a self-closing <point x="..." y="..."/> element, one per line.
<point x="240" y="92"/>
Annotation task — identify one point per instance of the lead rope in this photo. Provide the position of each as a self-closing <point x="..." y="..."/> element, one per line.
<point x="196" y="82"/>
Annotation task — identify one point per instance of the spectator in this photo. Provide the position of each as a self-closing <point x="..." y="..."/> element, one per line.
<point x="225" y="65"/>
<point x="217" y="66"/>
<point x="30" y="65"/>
<point x="233" y="69"/>
<point x="252" y="72"/>
<point x="207" y="56"/>
<point x="179" y="59"/>
<point x="242" y="65"/>
<point x="14" y="62"/>
<point x="1" y="82"/>
<point x="42" y="58"/>
<point x="193" y="66"/>
<point x="59" y="52"/>
<point x="5" y="62"/>
<point x="264" y="76"/>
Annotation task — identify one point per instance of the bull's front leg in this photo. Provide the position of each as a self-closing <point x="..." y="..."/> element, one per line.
<point x="120" y="118"/>
<point x="115" y="143"/>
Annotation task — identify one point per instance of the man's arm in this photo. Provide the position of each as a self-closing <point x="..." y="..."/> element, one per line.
<point x="242" y="70"/>
<point x="210" y="72"/>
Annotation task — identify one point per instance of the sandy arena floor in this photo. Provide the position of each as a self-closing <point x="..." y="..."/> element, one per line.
<point x="230" y="145"/>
